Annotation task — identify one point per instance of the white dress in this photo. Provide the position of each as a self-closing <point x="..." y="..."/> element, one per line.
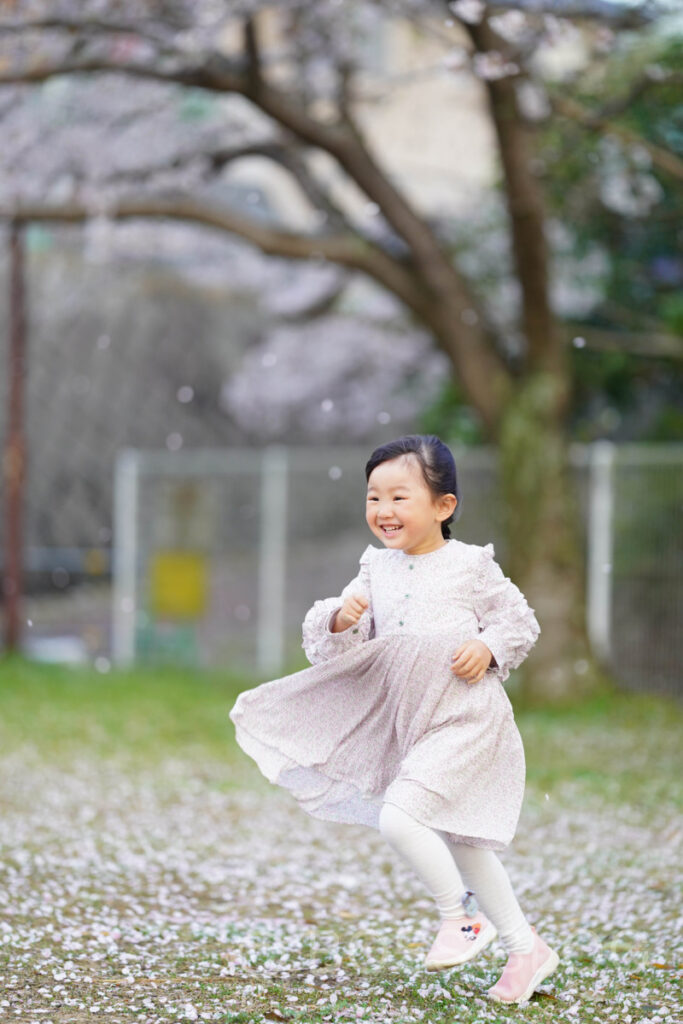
<point x="381" y="716"/>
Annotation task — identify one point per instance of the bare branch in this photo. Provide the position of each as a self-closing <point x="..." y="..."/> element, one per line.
<point x="525" y="203"/>
<point x="652" y="344"/>
<point x="638" y="88"/>
<point x="84" y="26"/>
<point x="348" y="251"/>
<point x="67" y="25"/>
<point x="280" y="152"/>
<point x="289" y="158"/>
<point x="661" y="157"/>
<point x="214" y="72"/>
<point x="251" y="49"/>
<point x="615" y="14"/>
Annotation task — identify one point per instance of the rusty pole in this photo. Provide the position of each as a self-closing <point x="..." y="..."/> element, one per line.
<point x="14" y="461"/>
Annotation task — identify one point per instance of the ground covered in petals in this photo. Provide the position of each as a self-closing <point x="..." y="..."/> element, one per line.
<point x="148" y="873"/>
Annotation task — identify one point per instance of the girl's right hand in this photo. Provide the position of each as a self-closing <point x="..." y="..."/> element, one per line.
<point x="350" y="612"/>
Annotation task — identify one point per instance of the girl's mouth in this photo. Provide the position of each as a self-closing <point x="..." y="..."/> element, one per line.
<point x="390" y="530"/>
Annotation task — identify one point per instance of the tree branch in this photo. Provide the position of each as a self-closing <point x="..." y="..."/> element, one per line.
<point x="251" y="49"/>
<point x="661" y="157"/>
<point x="526" y="208"/>
<point x="348" y="251"/>
<point x="215" y="73"/>
<point x="651" y="344"/>
<point x="290" y="159"/>
<point x="613" y="13"/>
<point x="83" y="26"/>
<point x="278" y="151"/>
<point x="638" y="88"/>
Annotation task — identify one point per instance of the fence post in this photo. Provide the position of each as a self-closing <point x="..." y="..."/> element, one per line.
<point x="600" y="548"/>
<point x="125" y="557"/>
<point x="272" y="559"/>
<point x="13" y="467"/>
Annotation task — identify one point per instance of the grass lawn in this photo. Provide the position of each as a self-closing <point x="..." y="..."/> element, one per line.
<point x="148" y="873"/>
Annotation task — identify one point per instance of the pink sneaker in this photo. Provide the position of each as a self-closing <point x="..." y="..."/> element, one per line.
<point x="459" y="940"/>
<point x="524" y="972"/>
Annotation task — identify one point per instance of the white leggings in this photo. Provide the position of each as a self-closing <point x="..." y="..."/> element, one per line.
<point x="447" y="869"/>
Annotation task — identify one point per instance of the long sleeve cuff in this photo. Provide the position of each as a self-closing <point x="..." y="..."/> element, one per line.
<point x="496" y="644"/>
<point x="320" y="643"/>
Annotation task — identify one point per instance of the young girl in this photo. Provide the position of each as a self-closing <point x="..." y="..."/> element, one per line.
<point x="402" y="722"/>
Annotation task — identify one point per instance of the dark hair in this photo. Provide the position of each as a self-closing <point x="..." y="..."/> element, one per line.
<point x="436" y="462"/>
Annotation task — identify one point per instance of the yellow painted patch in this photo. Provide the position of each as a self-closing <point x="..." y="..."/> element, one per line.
<point x="178" y="584"/>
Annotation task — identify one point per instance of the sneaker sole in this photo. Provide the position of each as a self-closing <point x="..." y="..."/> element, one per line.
<point x="543" y="972"/>
<point x="481" y="942"/>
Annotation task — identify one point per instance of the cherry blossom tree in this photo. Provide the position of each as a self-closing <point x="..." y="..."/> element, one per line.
<point x="284" y="83"/>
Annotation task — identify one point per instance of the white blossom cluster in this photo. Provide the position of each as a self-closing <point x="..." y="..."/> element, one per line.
<point x="95" y="141"/>
<point x="358" y="368"/>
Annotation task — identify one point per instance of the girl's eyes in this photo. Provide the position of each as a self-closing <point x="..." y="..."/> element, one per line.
<point x="398" y="497"/>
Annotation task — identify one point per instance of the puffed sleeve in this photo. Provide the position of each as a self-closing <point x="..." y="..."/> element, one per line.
<point x="507" y="624"/>
<point x="319" y="642"/>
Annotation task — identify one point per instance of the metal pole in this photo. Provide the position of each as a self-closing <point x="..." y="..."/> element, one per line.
<point x="14" y="461"/>
<point x="271" y="621"/>
<point x="125" y="558"/>
<point x="600" y="548"/>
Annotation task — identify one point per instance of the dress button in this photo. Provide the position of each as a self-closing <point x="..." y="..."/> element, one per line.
<point x="411" y="566"/>
<point x="407" y="595"/>
<point x="355" y="629"/>
<point x="401" y="622"/>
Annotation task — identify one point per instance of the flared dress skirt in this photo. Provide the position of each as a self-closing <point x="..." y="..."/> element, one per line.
<point x="389" y="721"/>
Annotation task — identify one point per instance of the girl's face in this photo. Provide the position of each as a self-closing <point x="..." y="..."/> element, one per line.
<point x="402" y="511"/>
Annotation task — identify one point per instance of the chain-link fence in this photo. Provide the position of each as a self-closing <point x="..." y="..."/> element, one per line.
<point x="273" y="530"/>
<point x="646" y="621"/>
<point x="270" y="531"/>
<point x="219" y="553"/>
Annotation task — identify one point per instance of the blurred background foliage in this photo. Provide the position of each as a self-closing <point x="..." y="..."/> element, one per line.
<point x="606" y="194"/>
<point x="616" y="222"/>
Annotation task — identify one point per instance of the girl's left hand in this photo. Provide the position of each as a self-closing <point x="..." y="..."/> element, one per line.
<point x="471" y="660"/>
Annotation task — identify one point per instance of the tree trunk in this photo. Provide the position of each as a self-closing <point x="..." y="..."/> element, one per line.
<point x="542" y="511"/>
<point x="540" y="506"/>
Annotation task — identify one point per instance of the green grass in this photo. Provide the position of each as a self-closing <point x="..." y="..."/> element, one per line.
<point x="144" y="714"/>
<point x="625" y="744"/>
<point x="622" y="745"/>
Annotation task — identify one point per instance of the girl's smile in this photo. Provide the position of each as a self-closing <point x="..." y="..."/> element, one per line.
<point x="402" y="511"/>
